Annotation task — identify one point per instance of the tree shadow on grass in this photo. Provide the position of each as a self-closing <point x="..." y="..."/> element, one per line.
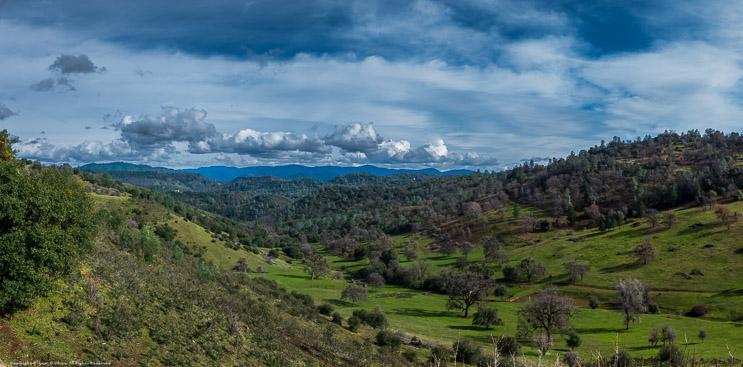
<point x="306" y="277"/>
<point x="599" y="330"/>
<point x="467" y="327"/>
<point x="418" y="312"/>
<point x="730" y="293"/>
<point x="739" y="251"/>
<point x="643" y="347"/>
<point x="637" y="233"/>
<point x="339" y="303"/>
<point x="620" y="267"/>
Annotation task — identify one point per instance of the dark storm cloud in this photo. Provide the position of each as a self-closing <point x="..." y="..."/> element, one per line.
<point x="158" y="131"/>
<point x="71" y="64"/>
<point x="5" y="112"/>
<point x="458" y="32"/>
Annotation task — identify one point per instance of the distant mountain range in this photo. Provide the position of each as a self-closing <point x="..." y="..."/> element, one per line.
<point x="288" y="172"/>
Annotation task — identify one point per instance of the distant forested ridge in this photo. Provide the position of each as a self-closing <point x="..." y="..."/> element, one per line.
<point x="606" y="184"/>
<point x="288" y="172"/>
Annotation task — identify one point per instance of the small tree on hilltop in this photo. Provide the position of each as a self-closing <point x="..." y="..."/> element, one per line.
<point x="633" y="299"/>
<point x="549" y="312"/>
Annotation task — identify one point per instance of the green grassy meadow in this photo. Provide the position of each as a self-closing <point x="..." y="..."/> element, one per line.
<point x="681" y="248"/>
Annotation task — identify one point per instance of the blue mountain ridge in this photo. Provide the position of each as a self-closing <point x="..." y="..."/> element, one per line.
<point x="287" y="172"/>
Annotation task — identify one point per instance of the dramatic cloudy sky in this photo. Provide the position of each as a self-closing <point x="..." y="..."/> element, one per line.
<point x="447" y="84"/>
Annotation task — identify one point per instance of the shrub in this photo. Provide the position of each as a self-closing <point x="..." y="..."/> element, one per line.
<point x="325" y="309"/>
<point x="508" y="346"/>
<point x="486" y="317"/>
<point x="622" y="359"/>
<point x="594" y="302"/>
<point x="353" y="323"/>
<point x="468" y="351"/>
<point x="376" y="280"/>
<point x="510" y="274"/>
<point x="126" y="239"/>
<point x="571" y="359"/>
<point x="337" y="318"/>
<point x="410" y="355"/>
<point x="178" y="250"/>
<point x="304" y="299"/>
<point x="386" y="338"/>
<point x="440" y="354"/>
<point x="653" y="308"/>
<point x="204" y="271"/>
<point x="671" y="354"/>
<point x="149" y="242"/>
<point x="500" y="290"/>
<point x="698" y="311"/>
<point x="375" y="319"/>
<point x="294" y="252"/>
<point x="573" y="341"/>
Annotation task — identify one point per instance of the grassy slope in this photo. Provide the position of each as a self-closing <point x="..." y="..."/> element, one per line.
<point x="40" y="333"/>
<point x="608" y="253"/>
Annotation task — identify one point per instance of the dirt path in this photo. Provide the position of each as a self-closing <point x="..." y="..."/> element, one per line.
<point x="8" y="341"/>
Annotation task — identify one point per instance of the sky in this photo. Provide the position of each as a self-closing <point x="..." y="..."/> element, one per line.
<point x="423" y="83"/>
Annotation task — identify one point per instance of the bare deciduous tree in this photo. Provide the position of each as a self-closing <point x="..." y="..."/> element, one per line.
<point x="633" y="299"/>
<point x="530" y="268"/>
<point x="653" y="217"/>
<point x="549" y="312"/>
<point x="645" y="251"/>
<point x="670" y="219"/>
<point x="576" y="270"/>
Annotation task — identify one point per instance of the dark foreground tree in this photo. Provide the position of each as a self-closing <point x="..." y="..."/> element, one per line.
<point x="46" y="221"/>
<point x="549" y="312"/>
<point x="633" y="299"/>
<point x="466" y="290"/>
